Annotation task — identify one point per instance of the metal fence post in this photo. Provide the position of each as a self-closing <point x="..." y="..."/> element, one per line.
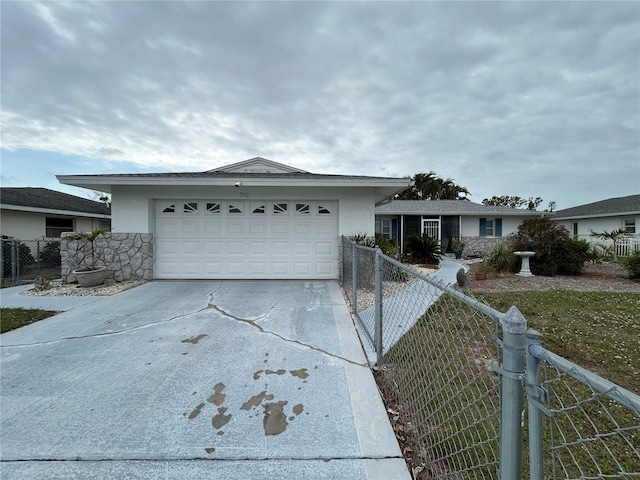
<point x="354" y="278"/>
<point x="534" y="395"/>
<point x="378" y="307"/>
<point x="38" y="265"/>
<point x="14" y="259"/>
<point x="514" y="327"/>
<point x="1" y="261"/>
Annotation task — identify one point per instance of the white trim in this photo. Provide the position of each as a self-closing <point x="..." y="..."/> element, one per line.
<point x="50" y="211"/>
<point x="599" y="215"/>
<point x="82" y="181"/>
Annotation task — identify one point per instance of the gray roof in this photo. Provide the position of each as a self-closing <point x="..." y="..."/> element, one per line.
<point x="44" y="198"/>
<point x="448" y="207"/>
<point x="604" y="208"/>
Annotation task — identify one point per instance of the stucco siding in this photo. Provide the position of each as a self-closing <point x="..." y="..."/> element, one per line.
<point x="132" y="207"/>
<point x="29" y="225"/>
<point x="586" y="225"/>
<point x="470" y="225"/>
<point x="22" y="225"/>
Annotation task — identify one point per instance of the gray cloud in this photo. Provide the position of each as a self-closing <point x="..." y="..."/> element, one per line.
<point x="526" y="98"/>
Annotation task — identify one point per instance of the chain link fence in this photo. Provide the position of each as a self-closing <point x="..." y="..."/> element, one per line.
<point x="581" y="426"/>
<point x="453" y="369"/>
<point x="23" y="260"/>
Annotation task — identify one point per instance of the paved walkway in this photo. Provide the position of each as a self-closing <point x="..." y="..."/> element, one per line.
<point x="11" y="298"/>
<point x="401" y="311"/>
<point x="194" y="380"/>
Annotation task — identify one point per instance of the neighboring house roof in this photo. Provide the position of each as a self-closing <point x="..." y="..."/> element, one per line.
<point x="255" y="172"/>
<point x="43" y="200"/>
<point x="448" y="207"/>
<point x="629" y="205"/>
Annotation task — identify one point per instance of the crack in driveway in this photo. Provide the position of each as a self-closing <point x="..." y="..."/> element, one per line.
<point x="210" y="305"/>
<point x="106" y="334"/>
<point x="261" y="329"/>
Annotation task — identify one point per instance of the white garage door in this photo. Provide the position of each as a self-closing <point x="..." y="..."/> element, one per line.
<point x="246" y="239"/>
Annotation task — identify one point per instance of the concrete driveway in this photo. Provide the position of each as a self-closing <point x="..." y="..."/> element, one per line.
<point x="193" y="380"/>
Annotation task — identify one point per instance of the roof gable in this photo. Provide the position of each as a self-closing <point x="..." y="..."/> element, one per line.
<point x="45" y="199"/>
<point x="257" y="165"/>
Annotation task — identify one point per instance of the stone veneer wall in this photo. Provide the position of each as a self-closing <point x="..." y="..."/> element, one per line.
<point x="481" y="244"/>
<point x="127" y="256"/>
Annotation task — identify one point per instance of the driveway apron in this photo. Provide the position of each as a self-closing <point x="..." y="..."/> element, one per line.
<point x="196" y="379"/>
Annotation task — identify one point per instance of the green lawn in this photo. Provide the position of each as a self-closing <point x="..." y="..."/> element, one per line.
<point x="599" y="331"/>
<point x="12" y="318"/>
<point x="439" y="371"/>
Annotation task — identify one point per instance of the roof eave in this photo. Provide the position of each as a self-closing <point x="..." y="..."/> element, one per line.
<point x="53" y="211"/>
<point x="597" y="215"/>
<point x="104" y="183"/>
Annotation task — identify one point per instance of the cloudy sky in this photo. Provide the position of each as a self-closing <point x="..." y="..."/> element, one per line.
<point x="516" y="98"/>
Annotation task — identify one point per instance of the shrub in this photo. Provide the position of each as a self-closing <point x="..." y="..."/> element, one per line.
<point x="423" y="249"/>
<point x="387" y="246"/>
<point x="632" y="264"/>
<point x="571" y="256"/>
<point x="501" y="259"/>
<point x="50" y="254"/>
<point x="556" y="251"/>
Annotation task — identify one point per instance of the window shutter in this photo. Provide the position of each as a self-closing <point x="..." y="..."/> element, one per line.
<point x="498" y="227"/>
<point x="483" y="227"/>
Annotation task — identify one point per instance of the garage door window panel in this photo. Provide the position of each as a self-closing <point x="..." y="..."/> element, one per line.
<point x="302" y="209"/>
<point x="213" y="208"/>
<point x="258" y="209"/>
<point x="281" y="209"/>
<point x="235" y="209"/>
<point x="190" y="208"/>
<point x="168" y="207"/>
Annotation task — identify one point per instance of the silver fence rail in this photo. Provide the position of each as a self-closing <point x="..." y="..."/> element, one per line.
<point x="457" y="371"/>
<point x="21" y="261"/>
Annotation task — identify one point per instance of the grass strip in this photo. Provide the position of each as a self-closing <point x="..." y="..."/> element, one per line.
<point x="12" y="318"/>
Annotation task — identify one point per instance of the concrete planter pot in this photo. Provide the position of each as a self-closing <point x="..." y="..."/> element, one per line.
<point x="90" y="277"/>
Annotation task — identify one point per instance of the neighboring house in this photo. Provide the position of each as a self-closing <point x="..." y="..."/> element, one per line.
<point x="610" y="214"/>
<point x="480" y="226"/>
<point x="620" y="213"/>
<point x="255" y="219"/>
<point x="28" y="213"/>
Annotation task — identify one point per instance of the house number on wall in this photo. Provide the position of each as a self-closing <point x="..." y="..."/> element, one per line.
<point x="244" y="195"/>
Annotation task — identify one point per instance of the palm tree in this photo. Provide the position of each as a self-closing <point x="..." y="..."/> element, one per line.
<point x="428" y="186"/>
<point x="614" y="236"/>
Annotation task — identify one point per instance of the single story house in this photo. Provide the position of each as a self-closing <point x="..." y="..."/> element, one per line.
<point x="255" y="219"/>
<point x="28" y="213"/>
<point x="479" y="226"/>
<point x="610" y="214"/>
<point x="619" y="213"/>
